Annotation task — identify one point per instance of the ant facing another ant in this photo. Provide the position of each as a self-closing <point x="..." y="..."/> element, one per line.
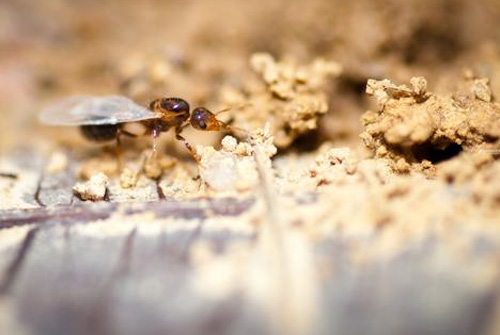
<point x="107" y="118"/>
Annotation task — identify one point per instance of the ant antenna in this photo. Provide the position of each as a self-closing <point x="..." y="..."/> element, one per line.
<point x="233" y="128"/>
<point x="227" y="126"/>
<point x="240" y="106"/>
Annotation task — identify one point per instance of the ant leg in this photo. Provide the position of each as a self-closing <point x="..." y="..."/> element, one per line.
<point x="155" y="143"/>
<point x="119" y="133"/>
<point x="155" y="132"/>
<point x="118" y="152"/>
<point x="191" y="150"/>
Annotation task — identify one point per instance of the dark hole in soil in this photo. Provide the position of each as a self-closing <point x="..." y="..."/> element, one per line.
<point x="307" y="142"/>
<point x="436" y="155"/>
<point x="353" y="85"/>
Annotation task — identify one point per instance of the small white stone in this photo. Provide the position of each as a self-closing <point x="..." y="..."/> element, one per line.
<point x="229" y="143"/>
<point x="94" y="189"/>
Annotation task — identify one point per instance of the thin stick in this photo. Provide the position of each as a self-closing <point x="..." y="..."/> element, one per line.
<point x="296" y="289"/>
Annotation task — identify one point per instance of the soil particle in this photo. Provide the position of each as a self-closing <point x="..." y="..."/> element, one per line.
<point x="94" y="189"/>
<point x="128" y="178"/>
<point x="233" y="168"/>
<point x="481" y="89"/>
<point x="182" y="183"/>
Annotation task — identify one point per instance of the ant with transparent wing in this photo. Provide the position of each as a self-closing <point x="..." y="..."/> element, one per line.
<point x="110" y="117"/>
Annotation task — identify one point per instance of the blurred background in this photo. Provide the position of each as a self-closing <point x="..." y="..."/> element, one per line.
<point x="192" y="49"/>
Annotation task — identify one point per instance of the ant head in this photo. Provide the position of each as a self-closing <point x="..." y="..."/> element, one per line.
<point x="203" y="119"/>
<point x="173" y="110"/>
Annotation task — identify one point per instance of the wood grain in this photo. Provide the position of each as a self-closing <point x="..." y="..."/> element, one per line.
<point x="72" y="270"/>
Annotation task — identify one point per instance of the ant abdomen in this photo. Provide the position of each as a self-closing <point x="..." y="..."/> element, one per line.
<point x="100" y="133"/>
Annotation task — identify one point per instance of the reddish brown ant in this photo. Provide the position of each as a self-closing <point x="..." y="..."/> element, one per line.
<point x="107" y="118"/>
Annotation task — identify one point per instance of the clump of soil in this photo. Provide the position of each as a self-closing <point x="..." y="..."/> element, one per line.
<point x="229" y="169"/>
<point x="94" y="189"/>
<point x="414" y="126"/>
<point x="290" y="96"/>
<point x="479" y="173"/>
<point x="234" y="168"/>
<point x="128" y="178"/>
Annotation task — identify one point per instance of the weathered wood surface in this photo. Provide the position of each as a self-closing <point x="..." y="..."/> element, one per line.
<point x="61" y="281"/>
<point x="63" y="274"/>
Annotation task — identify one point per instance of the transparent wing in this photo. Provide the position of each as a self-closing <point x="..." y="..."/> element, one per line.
<point x="87" y="110"/>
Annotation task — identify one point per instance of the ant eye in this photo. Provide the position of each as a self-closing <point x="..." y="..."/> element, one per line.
<point x="202" y="124"/>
